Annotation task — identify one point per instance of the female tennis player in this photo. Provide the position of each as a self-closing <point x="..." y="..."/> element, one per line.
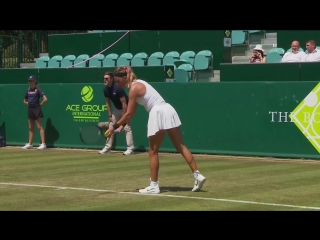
<point x="162" y="119"/>
<point x="32" y="100"/>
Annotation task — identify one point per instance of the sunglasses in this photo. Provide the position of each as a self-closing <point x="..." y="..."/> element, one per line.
<point x="106" y="78"/>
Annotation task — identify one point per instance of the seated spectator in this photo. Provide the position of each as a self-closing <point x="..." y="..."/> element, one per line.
<point x="313" y="55"/>
<point x="294" y="55"/>
<point x="257" y="55"/>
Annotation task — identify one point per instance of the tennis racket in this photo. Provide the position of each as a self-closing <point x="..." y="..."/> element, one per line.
<point x="92" y="134"/>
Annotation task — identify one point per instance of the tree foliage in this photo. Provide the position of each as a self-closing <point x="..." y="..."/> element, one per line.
<point x="15" y="33"/>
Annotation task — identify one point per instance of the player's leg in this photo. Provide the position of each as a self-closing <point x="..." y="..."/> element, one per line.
<point x="31" y="119"/>
<point x="129" y="139"/>
<point x="155" y="142"/>
<point x="118" y="115"/>
<point x="42" y="134"/>
<point x="31" y="134"/>
<point x="177" y="140"/>
<point x="109" y="141"/>
<point x="104" y="126"/>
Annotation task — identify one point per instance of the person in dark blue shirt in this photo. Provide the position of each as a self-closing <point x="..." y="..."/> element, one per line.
<point x="32" y="100"/>
<point x="115" y="94"/>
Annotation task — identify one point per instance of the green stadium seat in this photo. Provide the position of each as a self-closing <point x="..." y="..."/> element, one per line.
<point x="238" y="37"/>
<point x="170" y="57"/>
<point x="300" y="50"/>
<point x="110" y="60"/>
<point x="102" y="31"/>
<point x="273" y="57"/>
<point x="188" y="68"/>
<point x="181" y="75"/>
<point x="139" y="59"/>
<point x="254" y="31"/>
<point x="155" y="59"/>
<point x="79" y="59"/>
<point x="188" y="56"/>
<point x="124" y="59"/>
<point x="68" y="61"/>
<point x="42" y="62"/>
<point x="207" y="53"/>
<point x="55" y="61"/>
<point x="96" y="61"/>
<point x="278" y="50"/>
<point x="203" y="60"/>
<point x="179" y="62"/>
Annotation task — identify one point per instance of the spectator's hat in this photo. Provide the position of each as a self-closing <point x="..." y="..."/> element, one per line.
<point x="32" y="78"/>
<point x="258" y="47"/>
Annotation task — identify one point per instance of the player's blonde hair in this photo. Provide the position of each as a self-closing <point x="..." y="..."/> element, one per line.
<point x="126" y="72"/>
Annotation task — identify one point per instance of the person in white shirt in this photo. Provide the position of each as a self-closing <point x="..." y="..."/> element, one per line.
<point x="163" y="119"/>
<point x="313" y="54"/>
<point x="294" y="55"/>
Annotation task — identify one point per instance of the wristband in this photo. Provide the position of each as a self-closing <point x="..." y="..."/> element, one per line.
<point x="115" y="126"/>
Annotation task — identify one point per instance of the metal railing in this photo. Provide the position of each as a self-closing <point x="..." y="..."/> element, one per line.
<point x="25" y="45"/>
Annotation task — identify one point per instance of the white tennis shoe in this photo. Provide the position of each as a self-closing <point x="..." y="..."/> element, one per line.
<point x="27" y="146"/>
<point x="104" y="151"/>
<point x="198" y="183"/>
<point x="128" y="152"/>
<point x="150" y="190"/>
<point x="42" y="146"/>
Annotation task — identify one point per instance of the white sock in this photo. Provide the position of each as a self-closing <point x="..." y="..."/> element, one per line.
<point x="195" y="174"/>
<point x="154" y="184"/>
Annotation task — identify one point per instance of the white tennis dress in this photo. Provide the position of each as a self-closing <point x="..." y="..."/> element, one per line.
<point x="162" y="115"/>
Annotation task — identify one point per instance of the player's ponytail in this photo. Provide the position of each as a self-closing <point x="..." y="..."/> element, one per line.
<point x="130" y="76"/>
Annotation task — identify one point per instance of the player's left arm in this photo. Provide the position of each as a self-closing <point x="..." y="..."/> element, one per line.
<point x="132" y="106"/>
<point x="44" y="97"/>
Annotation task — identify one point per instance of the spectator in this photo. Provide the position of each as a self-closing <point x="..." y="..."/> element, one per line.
<point x="257" y="55"/>
<point x="312" y="54"/>
<point x="295" y="54"/>
<point x="32" y="100"/>
<point x="115" y="94"/>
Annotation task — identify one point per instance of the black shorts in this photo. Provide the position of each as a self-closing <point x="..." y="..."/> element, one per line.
<point x="35" y="112"/>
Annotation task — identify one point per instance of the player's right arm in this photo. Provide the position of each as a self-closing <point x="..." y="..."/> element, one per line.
<point x="25" y="100"/>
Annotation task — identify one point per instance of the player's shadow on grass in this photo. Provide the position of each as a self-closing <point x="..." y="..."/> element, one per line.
<point x="167" y="189"/>
<point x="51" y="133"/>
<point x="174" y="189"/>
<point x="177" y="189"/>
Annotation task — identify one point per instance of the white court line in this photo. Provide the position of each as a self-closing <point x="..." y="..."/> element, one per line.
<point x="163" y="195"/>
